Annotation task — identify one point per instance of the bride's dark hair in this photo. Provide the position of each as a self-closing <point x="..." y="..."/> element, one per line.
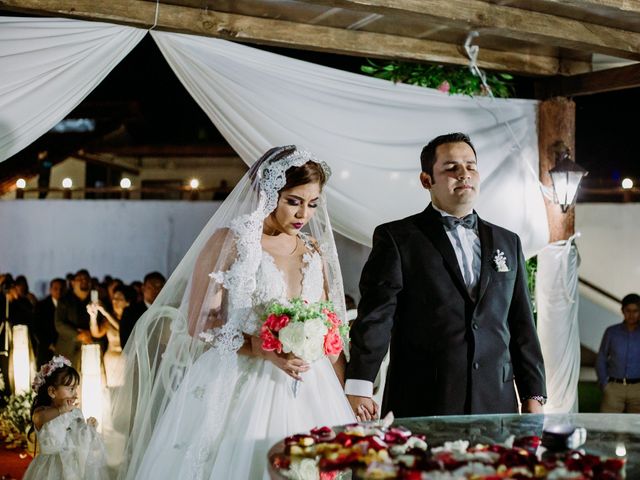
<point x="310" y="172"/>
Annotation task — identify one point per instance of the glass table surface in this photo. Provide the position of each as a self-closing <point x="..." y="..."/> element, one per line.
<point x="608" y="435"/>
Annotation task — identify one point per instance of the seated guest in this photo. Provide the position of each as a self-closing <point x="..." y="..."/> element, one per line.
<point x="153" y="283"/>
<point x="44" y="329"/>
<point x="72" y="319"/>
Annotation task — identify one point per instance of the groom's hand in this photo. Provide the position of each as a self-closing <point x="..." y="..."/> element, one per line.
<point x="364" y="408"/>
<point x="531" y="405"/>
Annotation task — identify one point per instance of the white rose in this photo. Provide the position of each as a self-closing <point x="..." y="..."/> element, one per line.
<point x="314" y="331"/>
<point x="292" y="338"/>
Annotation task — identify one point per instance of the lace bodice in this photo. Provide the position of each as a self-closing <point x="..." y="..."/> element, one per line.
<point x="271" y="285"/>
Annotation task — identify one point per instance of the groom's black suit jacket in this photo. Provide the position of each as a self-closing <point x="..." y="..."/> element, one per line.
<point x="449" y="355"/>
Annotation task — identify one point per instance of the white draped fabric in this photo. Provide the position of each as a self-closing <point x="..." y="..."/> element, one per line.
<point x="49" y="65"/>
<point x="370" y="131"/>
<point x="557" y="301"/>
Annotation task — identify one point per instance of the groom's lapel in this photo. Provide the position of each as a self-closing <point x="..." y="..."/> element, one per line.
<point x="431" y="225"/>
<point x="486" y="251"/>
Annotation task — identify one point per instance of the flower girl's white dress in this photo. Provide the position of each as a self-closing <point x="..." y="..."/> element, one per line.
<point x="221" y="426"/>
<point x="70" y="449"/>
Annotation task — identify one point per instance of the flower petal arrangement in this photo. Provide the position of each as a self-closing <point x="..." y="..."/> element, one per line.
<point x="368" y="451"/>
<point x="307" y="330"/>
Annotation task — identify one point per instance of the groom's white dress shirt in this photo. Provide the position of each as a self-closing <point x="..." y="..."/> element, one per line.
<point x="466" y="245"/>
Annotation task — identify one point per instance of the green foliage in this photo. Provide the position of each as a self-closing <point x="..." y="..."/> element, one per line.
<point x="15" y="418"/>
<point x="459" y="79"/>
<point x="532" y="270"/>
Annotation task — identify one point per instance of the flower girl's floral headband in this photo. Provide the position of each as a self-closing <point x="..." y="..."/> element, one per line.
<point x="47" y="369"/>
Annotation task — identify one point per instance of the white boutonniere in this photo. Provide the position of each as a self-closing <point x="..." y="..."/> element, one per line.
<point x="500" y="262"/>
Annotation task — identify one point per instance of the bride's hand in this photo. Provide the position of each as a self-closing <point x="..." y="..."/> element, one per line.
<point x="288" y="363"/>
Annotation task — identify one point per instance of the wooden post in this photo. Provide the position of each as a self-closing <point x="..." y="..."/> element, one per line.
<point x="556" y="123"/>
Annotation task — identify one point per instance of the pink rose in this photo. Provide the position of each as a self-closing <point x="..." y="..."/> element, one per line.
<point x="269" y="341"/>
<point x="444" y="87"/>
<point x="332" y="317"/>
<point x="332" y="342"/>
<point x="277" y="322"/>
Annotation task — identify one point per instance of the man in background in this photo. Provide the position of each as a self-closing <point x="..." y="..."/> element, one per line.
<point x="44" y="329"/>
<point x="72" y="319"/>
<point x="618" y="364"/>
<point x="153" y="283"/>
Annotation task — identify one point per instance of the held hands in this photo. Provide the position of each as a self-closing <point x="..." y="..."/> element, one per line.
<point x="364" y="408"/>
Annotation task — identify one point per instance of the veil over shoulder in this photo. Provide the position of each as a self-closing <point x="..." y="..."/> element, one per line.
<point x="202" y="309"/>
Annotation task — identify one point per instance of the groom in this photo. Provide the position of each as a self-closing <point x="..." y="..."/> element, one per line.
<point x="447" y="291"/>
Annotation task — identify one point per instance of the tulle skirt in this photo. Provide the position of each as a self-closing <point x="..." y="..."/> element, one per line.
<point x="203" y="436"/>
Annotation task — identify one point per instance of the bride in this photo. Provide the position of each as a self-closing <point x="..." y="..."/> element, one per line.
<point x="202" y="400"/>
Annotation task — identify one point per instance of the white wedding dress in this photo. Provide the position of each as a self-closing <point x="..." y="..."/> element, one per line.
<point x="201" y="436"/>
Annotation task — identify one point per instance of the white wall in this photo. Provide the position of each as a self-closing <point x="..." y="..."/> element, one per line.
<point x="609" y="245"/>
<point x="610" y="259"/>
<point x="43" y="239"/>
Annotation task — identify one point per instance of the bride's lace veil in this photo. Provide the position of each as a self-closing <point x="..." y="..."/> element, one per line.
<point x="203" y="307"/>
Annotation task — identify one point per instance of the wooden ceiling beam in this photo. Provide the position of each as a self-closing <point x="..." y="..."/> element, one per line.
<point x="589" y="83"/>
<point x="267" y="31"/>
<point x="629" y="6"/>
<point x="506" y="21"/>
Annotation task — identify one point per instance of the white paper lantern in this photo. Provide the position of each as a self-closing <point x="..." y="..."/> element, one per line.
<point x="20" y="359"/>
<point x="91" y="372"/>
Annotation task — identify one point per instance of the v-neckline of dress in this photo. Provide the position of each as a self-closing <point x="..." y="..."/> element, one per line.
<point x="307" y="258"/>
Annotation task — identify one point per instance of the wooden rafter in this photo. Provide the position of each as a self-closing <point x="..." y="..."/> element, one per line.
<point x="588" y="83"/>
<point x="629" y="6"/>
<point x="506" y="21"/>
<point x="249" y="29"/>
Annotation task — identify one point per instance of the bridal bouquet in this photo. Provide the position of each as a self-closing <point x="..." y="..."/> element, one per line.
<point x="308" y="330"/>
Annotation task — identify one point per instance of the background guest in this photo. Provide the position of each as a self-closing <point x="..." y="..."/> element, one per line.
<point x="23" y="289"/>
<point x="14" y="310"/>
<point x="72" y="319"/>
<point x="102" y="322"/>
<point x="137" y="286"/>
<point x="111" y="287"/>
<point x="44" y="329"/>
<point x="618" y="364"/>
<point x="153" y="283"/>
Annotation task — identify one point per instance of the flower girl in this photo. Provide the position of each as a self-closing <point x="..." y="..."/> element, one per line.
<point x="70" y="448"/>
